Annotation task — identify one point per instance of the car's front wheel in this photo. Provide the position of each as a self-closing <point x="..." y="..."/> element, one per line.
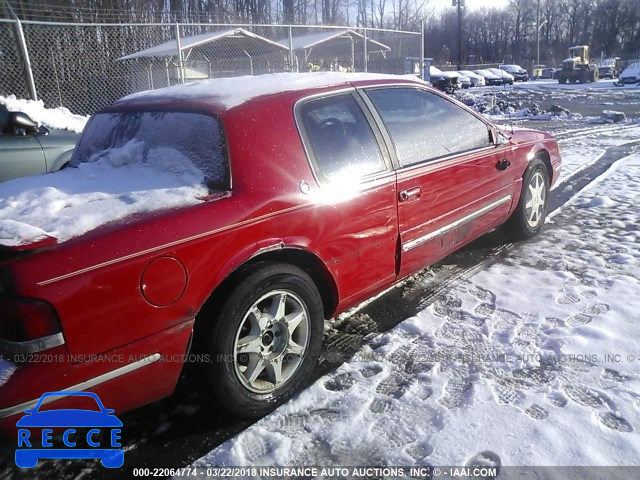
<point x="266" y="339"/>
<point x="530" y="213"/>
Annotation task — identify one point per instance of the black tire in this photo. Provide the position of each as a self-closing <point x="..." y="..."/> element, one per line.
<point x="523" y="224"/>
<point x="562" y="80"/>
<point x="224" y="374"/>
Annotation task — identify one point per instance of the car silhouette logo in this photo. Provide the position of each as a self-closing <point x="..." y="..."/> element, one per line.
<point x="32" y="447"/>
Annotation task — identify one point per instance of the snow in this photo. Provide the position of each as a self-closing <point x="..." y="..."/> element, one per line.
<point x="235" y="91"/>
<point x="531" y="361"/>
<point x="114" y="184"/>
<point x="60" y="118"/>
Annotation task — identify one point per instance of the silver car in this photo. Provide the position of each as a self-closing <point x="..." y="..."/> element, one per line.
<point x="29" y="149"/>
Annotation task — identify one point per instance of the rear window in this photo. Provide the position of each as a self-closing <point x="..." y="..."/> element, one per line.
<point x="195" y="136"/>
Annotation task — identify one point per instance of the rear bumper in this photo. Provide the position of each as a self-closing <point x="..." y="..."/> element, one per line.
<point x="125" y="378"/>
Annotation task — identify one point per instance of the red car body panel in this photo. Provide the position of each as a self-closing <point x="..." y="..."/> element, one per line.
<point x="135" y="287"/>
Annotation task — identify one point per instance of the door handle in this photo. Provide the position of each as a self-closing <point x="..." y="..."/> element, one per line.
<point x="409" y="194"/>
<point x="502" y="165"/>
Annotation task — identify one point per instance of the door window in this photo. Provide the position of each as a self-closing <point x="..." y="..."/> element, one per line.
<point x="341" y="140"/>
<point x="424" y="126"/>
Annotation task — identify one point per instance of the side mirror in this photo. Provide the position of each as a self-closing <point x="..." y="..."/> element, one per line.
<point x="17" y="120"/>
<point x="498" y="138"/>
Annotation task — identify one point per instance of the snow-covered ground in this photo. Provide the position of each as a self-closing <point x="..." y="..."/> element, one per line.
<point x="60" y="117"/>
<point x="533" y="361"/>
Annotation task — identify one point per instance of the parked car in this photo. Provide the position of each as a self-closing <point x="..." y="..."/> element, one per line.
<point x="518" y="73"/>
<point x="549" y="72"/>
<point x="631" y="74"/>
<point x="347" y="186"/>
<point x="465" y="81"/>
<point x="475" y="79"/>
<point x="490" y="78"/>
<point x="447" y="82"/>
<point x="609" y="67"/>
<point x="507" y="78"/>
<point x="27" y="149"/>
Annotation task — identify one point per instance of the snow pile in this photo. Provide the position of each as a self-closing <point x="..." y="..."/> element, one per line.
<point x="600" y="201"/>
<point x="111" y="186"/>
<point x="60" y="118"/>
<point x="237" y="90"/>
<point x="614" y="116"/>
<point x="499" y="109"/>
<point x="532" y="361"/>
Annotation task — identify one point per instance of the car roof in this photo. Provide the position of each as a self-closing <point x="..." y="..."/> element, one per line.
<point x="228" y="93"/>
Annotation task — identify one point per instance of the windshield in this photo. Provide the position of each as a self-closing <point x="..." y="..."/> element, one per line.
<point x="196" y="137"/>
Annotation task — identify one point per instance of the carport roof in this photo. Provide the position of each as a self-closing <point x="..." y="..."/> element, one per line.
<point x="326" y="39"/>
<point x="236" y="40"/>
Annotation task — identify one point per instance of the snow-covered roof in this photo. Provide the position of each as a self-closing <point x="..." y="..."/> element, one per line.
<point x="234" y="91"/>
<point x="325" y="39"/>
<point x="237" y="39"/>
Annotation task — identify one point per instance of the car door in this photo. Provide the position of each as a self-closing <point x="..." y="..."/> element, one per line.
<point x="453" y="183"/>
<point x="355" y="221"/>
<point x="21" y="155"/>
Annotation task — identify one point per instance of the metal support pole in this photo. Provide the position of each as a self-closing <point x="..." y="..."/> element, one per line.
<point x="291" y="52"/>
<point x="180" y="65"/>
<point x="459" y="3"/>
<point x="422" y="49"/>
<point x="538" y="34"/>
<point x="366" y="54"/>
<point x="24" y="51"/>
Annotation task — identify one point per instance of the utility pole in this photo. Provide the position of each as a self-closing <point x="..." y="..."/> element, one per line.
<point x="538" y="34"/>
<point x="459" y="4"/>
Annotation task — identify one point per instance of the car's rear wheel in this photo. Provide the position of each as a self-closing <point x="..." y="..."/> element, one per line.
<point x="266" y="339"/>
<point x="528" y="218"/>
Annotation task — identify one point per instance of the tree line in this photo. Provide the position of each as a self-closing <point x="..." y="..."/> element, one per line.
<point x="510" y="34"/>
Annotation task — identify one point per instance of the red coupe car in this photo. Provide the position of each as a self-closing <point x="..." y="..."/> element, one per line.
<point x="325" y="189"/>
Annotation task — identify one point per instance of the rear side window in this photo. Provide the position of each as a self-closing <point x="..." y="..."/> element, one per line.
<point x="425" y="126"/>
<point x="340" y="138"/>
<point x="159" y="135"/>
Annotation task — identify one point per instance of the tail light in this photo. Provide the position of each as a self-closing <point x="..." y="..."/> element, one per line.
<point x="26" y="320"/>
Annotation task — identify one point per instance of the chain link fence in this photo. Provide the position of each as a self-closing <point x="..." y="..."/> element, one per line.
<point x="85" y="67"/>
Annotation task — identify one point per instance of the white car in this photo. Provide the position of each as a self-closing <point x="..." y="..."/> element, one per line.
<point x="490" y="78"/>
<point x="631" y="74"/>
<point x="475" y="79"/>
<point x="518" y="73"/>
<point x="507" y="78"/>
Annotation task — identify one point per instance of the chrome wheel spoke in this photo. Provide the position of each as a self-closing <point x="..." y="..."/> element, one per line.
<point x="249" y="344"/>
<point x="275" y="371"/>
<point x="255" y="367"/>
<point x="293" y="320"/>
<point x="294" y="349"/>
<point x="259" y="320"/>
<point x="278" y="306"/>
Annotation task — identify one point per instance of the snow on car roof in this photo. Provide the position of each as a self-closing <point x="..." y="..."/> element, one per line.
<point x="231" y="92"/>
<point x="632" y="69"/>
